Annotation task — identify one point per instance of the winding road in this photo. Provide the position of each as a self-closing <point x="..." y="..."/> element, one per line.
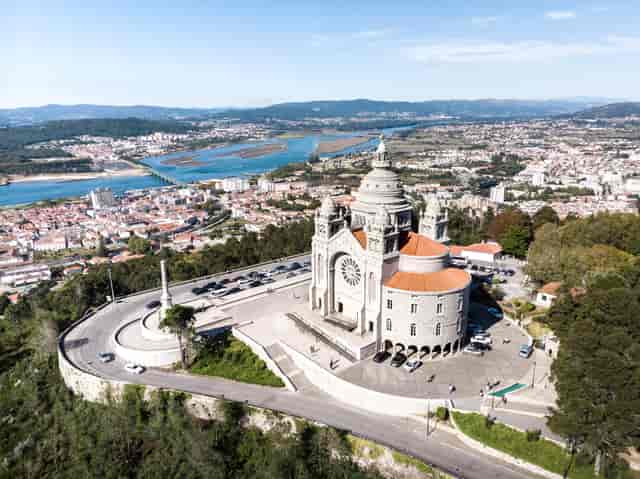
<point x="441" y="448"/>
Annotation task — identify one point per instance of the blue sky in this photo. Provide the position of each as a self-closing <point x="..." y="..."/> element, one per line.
<point x="245" y="53"/>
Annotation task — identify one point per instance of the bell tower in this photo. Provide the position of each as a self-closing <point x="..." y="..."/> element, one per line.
<point x="434" y="221"/>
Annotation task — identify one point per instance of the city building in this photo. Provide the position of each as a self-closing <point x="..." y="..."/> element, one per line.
<point x="373" y="274"/>
<point x="496" y="194"/>
<point x="102" y="198"/>
<point x="235" y="184"/>
<point x="24" y="275"/>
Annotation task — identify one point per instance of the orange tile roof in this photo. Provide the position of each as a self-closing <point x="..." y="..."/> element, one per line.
<point x="443" y="280"/>
<point x="551" y="288"/>
<point x="418" y="245"/>
<point x="489" y="248"/>
<point x="361" y="236"/>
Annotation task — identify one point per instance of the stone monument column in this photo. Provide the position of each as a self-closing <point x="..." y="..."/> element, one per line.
<point x="165" y="297"/>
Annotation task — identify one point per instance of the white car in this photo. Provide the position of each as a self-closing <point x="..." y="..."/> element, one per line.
<point x="133" y="368"/>
<point x="470" y="349"/>
<point x="412" y="365"/>
<point x="219" y="292"/>
<point x="481" y="339"/>
<point x="106" y="357"/>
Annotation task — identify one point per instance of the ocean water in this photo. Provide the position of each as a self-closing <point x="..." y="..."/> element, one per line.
<point x="217" y="163"/>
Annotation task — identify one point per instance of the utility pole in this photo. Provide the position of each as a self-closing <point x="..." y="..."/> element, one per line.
<point x="113" y="295"/>
<point x="428" y="415"/>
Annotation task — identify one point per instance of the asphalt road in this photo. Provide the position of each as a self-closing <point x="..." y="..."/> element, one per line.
<point x="442" y="449"/>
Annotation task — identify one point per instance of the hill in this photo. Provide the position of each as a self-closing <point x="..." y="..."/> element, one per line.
<point x="401" y="109"/>
<point x="41" y="114"/>
<point x="611" y="110"/>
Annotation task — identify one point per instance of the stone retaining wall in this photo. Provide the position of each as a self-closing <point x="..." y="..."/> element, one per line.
<point x="359" y="396"/>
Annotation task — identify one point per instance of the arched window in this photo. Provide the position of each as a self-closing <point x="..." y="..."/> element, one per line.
<point x="438" y="329"/>
<point x="412" y="329"/>
<point x="388" y="324"/>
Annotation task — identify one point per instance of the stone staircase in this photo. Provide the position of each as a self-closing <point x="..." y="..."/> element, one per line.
<point x="289" y="368"/>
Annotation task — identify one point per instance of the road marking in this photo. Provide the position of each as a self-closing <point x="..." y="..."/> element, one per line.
<point x="280" y="358"/>
<point x="295" y="373"/>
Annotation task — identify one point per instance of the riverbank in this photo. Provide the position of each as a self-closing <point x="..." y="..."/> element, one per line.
<point x="79" y="176"/>
<point x="340" y="144"/>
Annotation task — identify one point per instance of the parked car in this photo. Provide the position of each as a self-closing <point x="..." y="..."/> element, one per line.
<point x="245" y="281"/>
<point x="224" y="281"/>
<point x="398" y="360"/>
<point x="233" y="291"/>
<point x="482" y="333"/>
<point x="471" y="349"/>
<point x="294" y="266"/>
<point x="220" y="292"/>
<point x="210" y="285"/>
<point x="525" y="351"/>
<point x="495" y="312"/>
<point x="481" y="339"/>
<point x="197" y="290"/>
<point x="153" y="304"/>
<point x="134" y="368"/>
<point x="106" y="357"/>
<point x="254" y="284"/>
<point x="412" y="364"/>
<point x="381" y="356"/>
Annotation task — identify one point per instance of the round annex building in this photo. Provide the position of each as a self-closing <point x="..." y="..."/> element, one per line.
<point x="376" y="276"/>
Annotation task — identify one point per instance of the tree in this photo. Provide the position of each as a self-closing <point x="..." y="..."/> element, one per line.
<point x="138" y="245"/>
<point x="101" y="251"/>
<point x="544" y="215"/>
<point x="179" y="320"/>
<point x="4" y="302"/>
<point x="597" y="372"/>
<point x="515" y="241"/>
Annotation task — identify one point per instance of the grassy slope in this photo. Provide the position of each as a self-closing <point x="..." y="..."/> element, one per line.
<point x="543" y="453"/>
<point x="234" y="360"/>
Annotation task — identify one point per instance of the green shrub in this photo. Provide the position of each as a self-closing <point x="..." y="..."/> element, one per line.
<point x="533" y="435"/>
<point x="442" y="413"/>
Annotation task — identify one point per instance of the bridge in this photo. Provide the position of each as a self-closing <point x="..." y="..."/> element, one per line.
<point x="165" y="178"/>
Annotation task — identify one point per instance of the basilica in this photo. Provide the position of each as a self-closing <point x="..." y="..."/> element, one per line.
<point x="375" y="276"/>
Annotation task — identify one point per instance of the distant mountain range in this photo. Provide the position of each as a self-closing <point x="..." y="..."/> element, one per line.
<point x="394" y="110"/>
<point x="612" y="110"/>
<point x="39" y="114"/>
<point x="464" y="109"/>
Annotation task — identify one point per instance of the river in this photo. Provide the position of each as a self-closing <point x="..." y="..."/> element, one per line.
<point x="211" y="163"/>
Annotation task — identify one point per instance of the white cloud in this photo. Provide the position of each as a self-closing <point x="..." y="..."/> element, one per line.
<point x="484" y="21"/>
<point x="560" y="15"/>
<point x="476" y="52"/>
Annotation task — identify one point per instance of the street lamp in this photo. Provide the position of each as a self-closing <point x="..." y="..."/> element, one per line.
<point x="533" y="375"/>
<point x="113" y="295"/>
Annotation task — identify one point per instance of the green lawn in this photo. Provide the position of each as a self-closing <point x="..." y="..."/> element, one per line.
<point x="543" y="453"/>
<point x="230" y="358"/>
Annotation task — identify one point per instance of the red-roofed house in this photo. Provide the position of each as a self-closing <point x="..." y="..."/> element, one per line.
<point x="548" y="294"/>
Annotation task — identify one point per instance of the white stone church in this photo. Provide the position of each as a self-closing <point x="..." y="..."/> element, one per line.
<point x="374" y="275"/>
